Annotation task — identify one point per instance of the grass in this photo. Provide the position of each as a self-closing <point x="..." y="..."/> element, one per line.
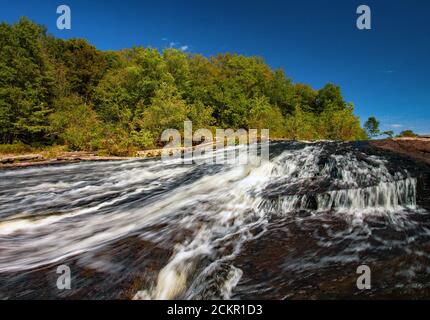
<point x="15" y="149"/>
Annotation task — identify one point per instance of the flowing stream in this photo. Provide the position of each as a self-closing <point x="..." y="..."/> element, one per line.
<point x="296" y="226"/>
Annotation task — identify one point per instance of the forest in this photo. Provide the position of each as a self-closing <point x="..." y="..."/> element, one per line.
<point x="56" y="92"/>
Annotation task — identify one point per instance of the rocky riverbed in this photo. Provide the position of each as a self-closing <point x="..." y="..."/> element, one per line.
<point x="295" y="227"/>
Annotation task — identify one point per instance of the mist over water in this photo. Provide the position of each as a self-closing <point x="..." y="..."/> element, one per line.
<point x="282" y="228"/>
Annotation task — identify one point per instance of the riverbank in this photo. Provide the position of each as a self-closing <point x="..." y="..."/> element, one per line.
<point x="415" y="148"/>
<point x="30" y="160"/>
<point x="50" y="157"/>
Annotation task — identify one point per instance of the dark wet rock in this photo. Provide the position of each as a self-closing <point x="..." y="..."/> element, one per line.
<point x="415" y="148"/>
<point x="290" y="262"/>
<point x="302" y="260"/>
<point x="411" y="162"/>
<point x="118" y="271"/>
<point x="300" y="254"/>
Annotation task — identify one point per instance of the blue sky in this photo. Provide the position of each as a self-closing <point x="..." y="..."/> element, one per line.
<point x="385" y="71"/>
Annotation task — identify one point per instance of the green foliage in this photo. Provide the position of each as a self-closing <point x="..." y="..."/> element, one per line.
<point x="142" y="139"/>
<point x="200" y="115"/>
<point x="388" y="133"/>
<point x="305" y="97"/>
<point x="263" y="115"/>
<point x="167" y="111"/>
<point x="79" y="64"/>
<point x="372" y="127"/>
<point x="76" y="124"/>
<point x="331" y="124"/>
<point x="329" y="97"/>
<point x="407" y="134"/>
<point x="301" y="125"/>
<point x="340" y="124"/>
<point x="15" y="148"/>
<point x="55" y="91"/>
<point x="25" y="83"/>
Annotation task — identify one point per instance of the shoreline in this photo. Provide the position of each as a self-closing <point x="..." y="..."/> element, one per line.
<point x="15" y="161"/>
<point x="415" y="148"/>
<point x="60" y="162"/>
<point x="33" y="160"/>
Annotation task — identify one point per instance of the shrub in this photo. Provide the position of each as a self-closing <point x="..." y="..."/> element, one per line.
<point x="15" y="148"/>
<point x="76" y="124"/>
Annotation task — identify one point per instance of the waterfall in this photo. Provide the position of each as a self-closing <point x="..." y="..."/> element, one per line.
<point x="205" y="212"/>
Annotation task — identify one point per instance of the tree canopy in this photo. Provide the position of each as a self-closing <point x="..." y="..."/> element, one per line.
<point x="55" y="91"/>
<point x="371" y="126"/>
<point x="407" y="134"/>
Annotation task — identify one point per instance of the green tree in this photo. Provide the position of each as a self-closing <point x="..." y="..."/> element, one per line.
<point x="371" y="127"/>
<point x="280" y="92"/>
<point x="68" y="92"/>
<point x="329" y="97"/>
<point x="301" y="125"/>
<point x="25" y="83"/>
<point x="79" y="63"/>
<point x="407" y="134"/>
<point x="340" y="124"/>
<point x="167" y="111"/>
<point x="305" y="97"/>
<point x="388" y="133"/>
<point x="76" y="125"/>
<point x="200" y="115"/>
<point x="262" y="115"/>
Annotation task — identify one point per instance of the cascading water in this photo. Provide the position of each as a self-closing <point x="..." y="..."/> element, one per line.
<point x="165" y="230"/>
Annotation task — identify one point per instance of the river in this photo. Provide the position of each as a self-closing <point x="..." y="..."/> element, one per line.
<point x="296" y="226"/>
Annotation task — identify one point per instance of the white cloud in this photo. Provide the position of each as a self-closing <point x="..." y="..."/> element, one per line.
<point x="396" y="125"/>
<point x="177" y="45"/>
